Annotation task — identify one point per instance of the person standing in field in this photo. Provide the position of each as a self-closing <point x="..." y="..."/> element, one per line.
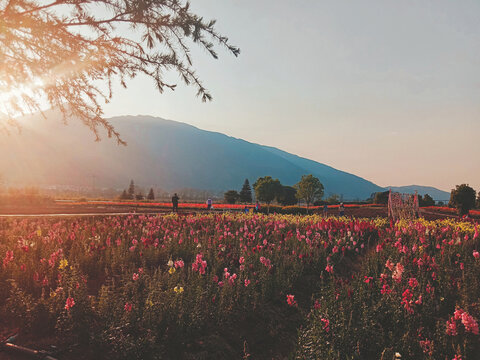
<point x="257" y="206"/>
<point x="341" y="210"/>
<point x="325" y="210"/>
<point x="175" y="199"/>
<point x="209" y="204"/>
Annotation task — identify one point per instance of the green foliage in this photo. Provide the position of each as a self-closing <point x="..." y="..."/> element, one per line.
<point x="246" y="192"/>
<point x="288" y="196"/>
<point x="309" y="188"/>
<point x="333" y="199"/>
<point x="381" y="198"/>
<point x="426" y="200"/>
<point x="231" y="196"/>
<point x="267" y="189"/>
<point x="462" y="198"/>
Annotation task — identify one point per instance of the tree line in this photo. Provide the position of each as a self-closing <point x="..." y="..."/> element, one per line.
<point x="463" y="198"/>
<point x="267" y="189"/>
<point x="129" y="194"/>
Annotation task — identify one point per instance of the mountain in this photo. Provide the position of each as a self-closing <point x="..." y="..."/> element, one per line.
<point x="435" y="193"/>
<point x="161" y="153"/>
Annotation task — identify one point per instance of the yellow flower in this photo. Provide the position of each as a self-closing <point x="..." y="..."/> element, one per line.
<point x="39" y="232"/>
<point x="149" y="303"/>
<point x="178" y="289"/>
<point x="172" y="270"/>
<point x="63" y="264"/>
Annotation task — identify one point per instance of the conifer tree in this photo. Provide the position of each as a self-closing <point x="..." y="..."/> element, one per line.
<point x="151" y="195"/>
<point x="246" y="192"/>
<point x="124" y="195"/>
<point x="67" y="53"/>
<point x="131" y="190"/>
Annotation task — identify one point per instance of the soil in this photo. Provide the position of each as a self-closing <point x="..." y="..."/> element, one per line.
<point x="63" y="209"/>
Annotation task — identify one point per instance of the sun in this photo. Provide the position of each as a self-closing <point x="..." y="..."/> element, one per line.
<point x="13" y="99"/>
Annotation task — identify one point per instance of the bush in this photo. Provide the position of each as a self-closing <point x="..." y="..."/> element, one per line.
<point x="462" y="198"/>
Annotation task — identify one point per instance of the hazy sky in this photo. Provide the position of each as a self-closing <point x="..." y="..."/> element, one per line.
<point x="388" y="90"/>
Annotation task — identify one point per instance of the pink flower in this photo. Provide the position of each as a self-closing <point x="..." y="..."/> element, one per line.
<point x="476" y="254"/>
<point x="397" y="274"/>
<point x="291" y="300"/>
<point x="135" y="277"/>
<point x="199" y="265"/>
<point x="389" y="265"/>
<point x="179" y="264"/>
<point x="451" y="328"/>
<point x="385" y="289"/>
<point x="247" y="282"/>
<point x="241" y="260"/>
<point x="231" y="279"/>
<point x="470" y="323"/>
<point x="8" y="258"/>
<point x="326" y="324"/>
<point x="69" y="303"/>
<point x="128" y="307"/>
<point x="413" y="283"/>
<point x="329" y="269"/>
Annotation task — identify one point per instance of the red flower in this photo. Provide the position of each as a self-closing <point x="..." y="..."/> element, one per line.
<point x="291" y="300"/>
<point x="69" y="303"/>
<point x="128" y="307"/>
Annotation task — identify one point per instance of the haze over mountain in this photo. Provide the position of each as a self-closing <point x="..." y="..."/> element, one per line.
<point x="160" y="153"/>
<point x="422" y="190"/>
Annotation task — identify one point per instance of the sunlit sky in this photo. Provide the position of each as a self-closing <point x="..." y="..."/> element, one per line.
<point x="388" y="90"/>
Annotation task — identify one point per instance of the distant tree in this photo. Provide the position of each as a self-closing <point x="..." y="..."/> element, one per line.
<point x="381" y="197"/>
<point x="267" y="189"/>
<point x="231" y="196"/>
<point x="462" y="198"/>
<point x="139" y="196"/>
<point x="131" y="190"/>
<point x="124" y="195"/>
<point x="441" y="203"/>
<point x="309" y="188"/>
<point x="478" y="200"/>
<point x="151" y="195"/>
<point x="333" y="199"/>
<point x="246" y="192"/>
<point x="288" y="196"/>
<point x="427" y="201"/>
<point x="67" y="53"/>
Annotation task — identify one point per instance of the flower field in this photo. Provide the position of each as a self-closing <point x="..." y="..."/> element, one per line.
<point x="240" y="286"/>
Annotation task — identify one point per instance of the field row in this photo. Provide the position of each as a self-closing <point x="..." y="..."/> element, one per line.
<point x="194" y="287"/>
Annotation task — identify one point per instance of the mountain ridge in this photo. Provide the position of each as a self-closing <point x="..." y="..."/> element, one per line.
<point x="160" y="152"/>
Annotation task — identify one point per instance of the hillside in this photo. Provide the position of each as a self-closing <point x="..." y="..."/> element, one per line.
<point x="435" y="193"/>
<point x="160" y="153"/>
